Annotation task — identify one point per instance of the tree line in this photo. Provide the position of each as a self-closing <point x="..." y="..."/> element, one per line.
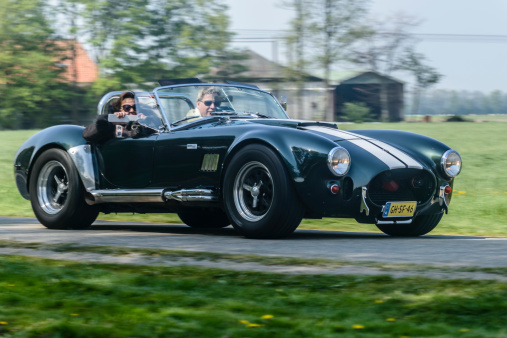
<point x="137" y="42"/>
<point x="133" y="42"/>
<point x="451" y="102"/>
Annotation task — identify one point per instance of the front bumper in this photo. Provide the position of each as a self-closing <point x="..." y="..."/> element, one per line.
<point x="372" y="213"/>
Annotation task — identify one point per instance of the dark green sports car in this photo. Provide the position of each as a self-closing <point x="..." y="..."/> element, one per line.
<point x="246" y="164"/>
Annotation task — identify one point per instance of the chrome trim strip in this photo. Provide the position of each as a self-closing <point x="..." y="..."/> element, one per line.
<point x="83" y="160"/>
<point x="442" y="200"/>
<point x="395" y="222"/>
<point x="126" y="196"/>
<point x="150" y="196"/>
<point x="364" y="206"/>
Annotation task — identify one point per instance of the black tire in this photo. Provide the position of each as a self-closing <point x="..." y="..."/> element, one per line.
<point x="57" y="193"/>
<point x="259" y="197"/>
<point x="420" y="226"/>
<point x="208" y="218"/>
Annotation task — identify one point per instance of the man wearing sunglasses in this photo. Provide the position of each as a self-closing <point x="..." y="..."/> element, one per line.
<point x="102" y="130"/>
<point x="207" y="102"/>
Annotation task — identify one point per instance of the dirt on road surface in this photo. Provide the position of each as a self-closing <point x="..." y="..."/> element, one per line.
<point x="317" y="252"/>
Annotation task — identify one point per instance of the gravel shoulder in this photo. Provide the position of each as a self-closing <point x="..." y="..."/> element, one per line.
<point x="305" y="252"/>
<point x="341" y="268"/>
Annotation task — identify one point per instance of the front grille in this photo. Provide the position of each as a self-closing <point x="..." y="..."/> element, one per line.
<point x="401" y="185"/>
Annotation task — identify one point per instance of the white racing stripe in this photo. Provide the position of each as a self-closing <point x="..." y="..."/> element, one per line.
<point x="408" y="160"/>
<point x="391" y="161"/>
<point x="391" y="156"/>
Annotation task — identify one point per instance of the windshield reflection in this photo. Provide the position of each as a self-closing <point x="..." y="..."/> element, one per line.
<point x="180" y="103"/>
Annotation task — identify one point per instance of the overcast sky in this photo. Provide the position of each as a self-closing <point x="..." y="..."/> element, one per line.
<point x="476" y="61"/>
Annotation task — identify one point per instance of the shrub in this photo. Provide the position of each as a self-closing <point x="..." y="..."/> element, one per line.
<point x="357" y="112"/>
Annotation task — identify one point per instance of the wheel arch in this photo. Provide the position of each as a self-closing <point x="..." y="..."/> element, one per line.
<point x="237" y="147"/>
<point x="64" y="137"/>
<point x="283" y="142"/>
<point x="262" y="212"/>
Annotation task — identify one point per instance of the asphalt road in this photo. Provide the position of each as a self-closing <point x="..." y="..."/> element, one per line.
<point x="456" y="251"/>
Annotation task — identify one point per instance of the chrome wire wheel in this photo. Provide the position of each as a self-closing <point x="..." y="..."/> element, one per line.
<point x="57" y="193"/>
<point x="253" y="191"/>
<point x="259" y="198"/>
<point x="52" y="187"/>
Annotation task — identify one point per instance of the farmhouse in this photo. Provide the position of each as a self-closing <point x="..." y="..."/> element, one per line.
<point x="307" y="95"/>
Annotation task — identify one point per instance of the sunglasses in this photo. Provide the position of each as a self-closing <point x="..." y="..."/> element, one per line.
<point x="208" y="103"/>
<point x="127" y="107"/>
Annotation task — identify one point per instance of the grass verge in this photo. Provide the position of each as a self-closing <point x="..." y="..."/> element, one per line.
<point x="49" y="298"/>
<point x="165" y="255"/>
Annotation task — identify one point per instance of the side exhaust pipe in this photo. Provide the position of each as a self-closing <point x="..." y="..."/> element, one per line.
<point x="149" y="196"/>
<point x="192" y="195"/>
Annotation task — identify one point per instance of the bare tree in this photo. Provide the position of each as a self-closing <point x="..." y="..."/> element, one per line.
<point x="321" y="32"/>
<point x="381" y="49"/>
<point x="296" y="40"/>
<point x="425" y="75"/>
<point x="334" y="27"/>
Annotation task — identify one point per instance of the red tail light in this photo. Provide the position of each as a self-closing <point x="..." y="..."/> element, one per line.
<point x="335" y="188"/>
<point x="390" y="185"/>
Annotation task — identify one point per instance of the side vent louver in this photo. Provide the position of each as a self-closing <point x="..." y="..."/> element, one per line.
<point x="210" y="162"/>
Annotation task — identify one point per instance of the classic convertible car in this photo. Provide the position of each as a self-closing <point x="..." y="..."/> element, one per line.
<point x="248" y="165"/>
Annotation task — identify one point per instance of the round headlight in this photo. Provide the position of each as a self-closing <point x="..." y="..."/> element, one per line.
<point x="451" y="163"/>
<point x="338" y="161"/>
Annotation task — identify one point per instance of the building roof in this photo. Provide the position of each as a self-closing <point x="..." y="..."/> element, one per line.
<point x="360" y="76"/>
<point x="83" y="69"/>
<point x="260" y="69"/>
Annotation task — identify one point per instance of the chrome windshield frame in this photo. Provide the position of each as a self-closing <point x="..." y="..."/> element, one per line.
<point x="157" y="90"/>
<point x="107" y="97"/>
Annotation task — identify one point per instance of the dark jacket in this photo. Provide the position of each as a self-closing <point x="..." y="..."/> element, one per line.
<point x="102" y="130"/>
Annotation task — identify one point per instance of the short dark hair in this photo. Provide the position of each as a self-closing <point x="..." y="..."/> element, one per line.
<point x="125" y="95"/>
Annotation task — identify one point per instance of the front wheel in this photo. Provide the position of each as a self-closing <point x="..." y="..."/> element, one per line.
<point x="259" y="197"/>
<point x="420" y="226"/>
<point x="57" y="193"/>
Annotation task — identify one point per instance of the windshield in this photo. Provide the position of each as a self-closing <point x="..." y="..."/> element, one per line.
<point x="179" y="103"/>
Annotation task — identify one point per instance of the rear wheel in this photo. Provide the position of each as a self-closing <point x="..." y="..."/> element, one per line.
<point x="203" y="217"/>
<point x="57" y="193"/>
<point x="420" y="226"/>
<point x="259" y="197"/>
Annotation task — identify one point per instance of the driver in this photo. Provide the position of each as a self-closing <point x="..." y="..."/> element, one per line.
<point x="207" y="102"/>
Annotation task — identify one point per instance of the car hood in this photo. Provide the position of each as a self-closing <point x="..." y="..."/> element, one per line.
<point x="293" y="123"/>
<point x="393" y="157"/>
<point x="390" y="155"/>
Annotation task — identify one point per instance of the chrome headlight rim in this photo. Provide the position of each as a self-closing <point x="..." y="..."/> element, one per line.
<point x="338" y="161"/>
<point x="452" y="170"/>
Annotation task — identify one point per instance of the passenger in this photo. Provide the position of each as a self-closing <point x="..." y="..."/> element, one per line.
<point x="102" y="130"/>
<point x="206" y="102"/>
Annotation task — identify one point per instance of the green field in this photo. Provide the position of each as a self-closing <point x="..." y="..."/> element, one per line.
<point x="50" y="298"/>
<point x="479" y="205"/>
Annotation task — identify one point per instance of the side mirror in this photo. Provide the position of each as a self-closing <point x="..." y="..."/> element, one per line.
<point x="283" y="102"/>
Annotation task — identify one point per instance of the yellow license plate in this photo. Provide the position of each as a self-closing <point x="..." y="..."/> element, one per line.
<point x="399" y="209"/>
